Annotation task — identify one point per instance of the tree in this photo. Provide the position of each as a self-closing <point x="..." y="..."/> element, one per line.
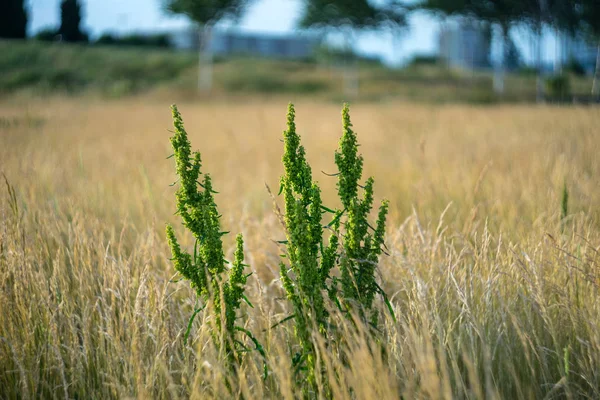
<point x="13" y="19"/>
<point x="503" y="13"/>
<point x="588" y="17"/>
<point x="70" y="16"/>
<point x="351" y="15"/>
<point x="561" y="15"/>
<point x="206" y="13"/>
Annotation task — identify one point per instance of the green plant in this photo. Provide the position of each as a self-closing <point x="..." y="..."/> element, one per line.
<point x="308" y="259"/>
<point x="206" y="268"/>
<point x="362" y="247"/>
<point x="307" y="276"/>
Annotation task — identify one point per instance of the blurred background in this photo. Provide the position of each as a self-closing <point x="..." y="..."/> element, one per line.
<point x="476" y="51"/>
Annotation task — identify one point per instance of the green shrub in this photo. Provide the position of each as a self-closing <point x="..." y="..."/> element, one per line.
<point x="425" y="59"/>
<point x="47" y="35"/>
<point x="558" y="86"/>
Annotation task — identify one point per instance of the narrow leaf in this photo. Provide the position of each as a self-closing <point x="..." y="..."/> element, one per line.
<point x="284" y="320"/>
<point x="189" y="327"/>
<point x="259" y="347"/>
<point x="327" y="209"/>
<point x="247" y="301"/>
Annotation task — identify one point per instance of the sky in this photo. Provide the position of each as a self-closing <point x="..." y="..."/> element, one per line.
<point x="265" y="16"/>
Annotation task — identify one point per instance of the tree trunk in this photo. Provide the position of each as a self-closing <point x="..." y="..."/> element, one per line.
<point x="205" y="65"/>
<point x="500" y="70"/>
<point x="595" y="85"/>
<point x="539" y="80"/>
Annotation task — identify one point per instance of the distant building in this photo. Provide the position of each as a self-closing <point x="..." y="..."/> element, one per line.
<point x="225" y="43"/>
<point x="184" y="39"/>
<point x="465" y="44"/>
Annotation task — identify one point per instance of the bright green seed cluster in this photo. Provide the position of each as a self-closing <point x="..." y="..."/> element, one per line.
<point x="361" y="246"/>
<point x="349" y="163"/>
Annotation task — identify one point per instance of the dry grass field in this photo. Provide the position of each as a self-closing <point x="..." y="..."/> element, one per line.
<point x="496" y="295"/>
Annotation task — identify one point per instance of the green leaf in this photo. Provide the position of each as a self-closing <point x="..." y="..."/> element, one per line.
<point x="247" y="301"/>
<point x="258" y="347"/>
<point x="284" y="320"/>
<point x="189" y="327"/>
<point x="336" y="218"/>
<point x="298" y="363"/>
<point x="257" y="344"/>
<point x="386" y="301"/>
<point x="245" y="349"/>
<point x="328" y="209"/>
<point x="389" y="306"/>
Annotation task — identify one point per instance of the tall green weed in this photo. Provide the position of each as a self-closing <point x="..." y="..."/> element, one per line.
<point x="330" y="256"/>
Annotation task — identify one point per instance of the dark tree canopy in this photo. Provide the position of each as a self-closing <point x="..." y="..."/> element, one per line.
<point x="70" y="15"/>
<point x="13" y="19"/>
<point x="449" y="7"/>
<point x="588" y="16"/>
<point x="355" y="13"/>
<point x="207" y="11"/>
<point x="561" y="14"/>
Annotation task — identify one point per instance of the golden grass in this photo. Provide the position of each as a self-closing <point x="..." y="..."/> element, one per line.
<point x="495" y="296"/>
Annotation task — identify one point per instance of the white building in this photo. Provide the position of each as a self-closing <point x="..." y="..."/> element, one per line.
<point x="465" y="44"/>
<point x="223" y="43"/>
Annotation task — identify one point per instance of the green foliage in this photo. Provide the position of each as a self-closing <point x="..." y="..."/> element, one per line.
<point x="359" y="14"/>
<point x="558" y="86"/>
<point x="425" y="59"/>
<point x="75" y="68"/>
<point x="13" y="19"/>
<point x="205" y="268"/>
